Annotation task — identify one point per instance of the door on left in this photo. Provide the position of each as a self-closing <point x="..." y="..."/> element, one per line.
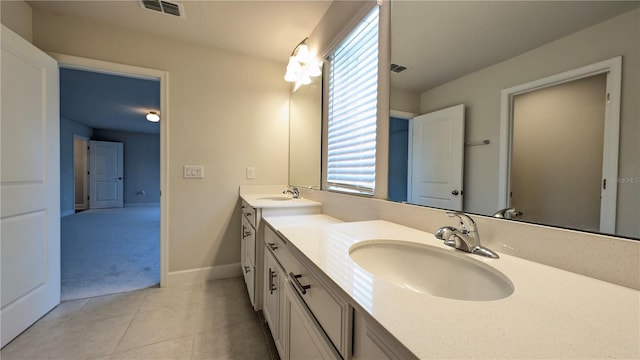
<point x="29" y="185"/>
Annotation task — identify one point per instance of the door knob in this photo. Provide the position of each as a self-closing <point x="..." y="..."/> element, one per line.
<point x="455" y="193"/>
<point x="120" y="178"/>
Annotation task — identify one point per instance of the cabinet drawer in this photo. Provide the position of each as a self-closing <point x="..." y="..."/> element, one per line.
<point x="249" y="213"/>
<point x="327" y="309"/>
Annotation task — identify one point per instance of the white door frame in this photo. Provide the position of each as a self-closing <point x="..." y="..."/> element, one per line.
<point x="613" y="68"/>
<point x="105" y="67"/>
<point x="85" y="177"/>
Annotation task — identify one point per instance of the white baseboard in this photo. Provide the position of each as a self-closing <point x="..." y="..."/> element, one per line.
<point x="184" y="277"/>
<point x="67" y="213"/>
<point x="141" y="204"/>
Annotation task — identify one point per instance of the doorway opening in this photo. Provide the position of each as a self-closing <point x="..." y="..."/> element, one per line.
<point x="565" y="128"/>
<point x="80" y="173"/>
<point x="109" y="246"/>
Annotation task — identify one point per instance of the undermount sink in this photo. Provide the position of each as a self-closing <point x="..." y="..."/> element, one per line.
<point x="275" y="198"/>
<point x="430" y="270"/>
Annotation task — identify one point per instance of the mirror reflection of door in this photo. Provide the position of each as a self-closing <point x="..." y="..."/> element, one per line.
<point x="557" y="153"/>
<point x="437" y="153"/>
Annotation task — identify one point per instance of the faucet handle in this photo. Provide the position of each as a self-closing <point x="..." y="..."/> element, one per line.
<point x="466" y="222"/>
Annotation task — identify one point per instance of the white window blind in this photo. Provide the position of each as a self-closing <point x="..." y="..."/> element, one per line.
<point x="353" y="93"/>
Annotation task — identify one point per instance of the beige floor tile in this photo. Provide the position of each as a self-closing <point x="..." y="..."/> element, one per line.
<point x="164" y="324"/>
<point x="64" y="311"/>
<point x="171" y="297"/>
<point x="237" y="341"/>
<point x="103" y="307"/>
<point x="71" y="340"/>
<point x="177" y="349"/>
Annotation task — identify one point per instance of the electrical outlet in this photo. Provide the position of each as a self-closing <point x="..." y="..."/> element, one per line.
<point x="193" y="172"/>
<point x="251" y="173"/>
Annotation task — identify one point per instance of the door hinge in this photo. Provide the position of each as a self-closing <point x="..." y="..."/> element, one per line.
<point x="604" y="184"/>
<point x="608" y="97"/>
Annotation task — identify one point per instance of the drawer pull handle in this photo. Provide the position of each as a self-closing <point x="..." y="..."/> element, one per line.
<point x="272" y="286"/>
<point x="273" y="246"/>
<point x="303" y="288"/>
<point x="247" y="269"/>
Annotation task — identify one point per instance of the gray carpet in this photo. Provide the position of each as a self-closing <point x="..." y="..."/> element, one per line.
<point x="107" y="251"/>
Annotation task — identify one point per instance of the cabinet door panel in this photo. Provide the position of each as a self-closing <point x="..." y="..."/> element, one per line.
<point x="271" y="291"/>
<point x="305" y="338"/>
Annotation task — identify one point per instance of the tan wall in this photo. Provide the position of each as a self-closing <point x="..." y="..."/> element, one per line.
<point x="227" y="112"/>
<point x="480" y="92"/>
<point x="16" y="15"/>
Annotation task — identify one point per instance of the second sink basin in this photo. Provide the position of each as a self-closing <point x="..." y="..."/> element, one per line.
<point x="275" y="198"/>
<point x="428" y="269"/>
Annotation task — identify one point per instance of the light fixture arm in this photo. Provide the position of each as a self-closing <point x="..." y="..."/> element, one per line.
<point x="293" y="52"/>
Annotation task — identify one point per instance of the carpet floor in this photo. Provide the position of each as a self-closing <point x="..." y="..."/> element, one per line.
<point x="107" y="251"/>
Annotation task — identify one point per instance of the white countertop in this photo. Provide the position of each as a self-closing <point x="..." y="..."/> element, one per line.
<point x="552" y="314"/>
<point x="266" y="201"/>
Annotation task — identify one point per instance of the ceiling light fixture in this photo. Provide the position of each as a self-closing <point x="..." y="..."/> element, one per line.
<point x="153" y="116"/>
<point x="303" y="65"/>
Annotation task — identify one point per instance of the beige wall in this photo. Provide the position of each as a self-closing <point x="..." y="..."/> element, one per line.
<point x="227" y="112"/>
<point x="480" y="92"/>
<point x="404" y="100"/>
<point x="16" y="15"/>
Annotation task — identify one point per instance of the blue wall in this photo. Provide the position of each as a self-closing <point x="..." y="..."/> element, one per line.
<point x="141" y="164"/>
<point x="398" y="158"/>
<point x="67" y="129"/>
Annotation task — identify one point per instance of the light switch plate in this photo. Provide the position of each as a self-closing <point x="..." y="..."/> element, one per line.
<point x="193" y="172"/>
<point x="251" y="173"/>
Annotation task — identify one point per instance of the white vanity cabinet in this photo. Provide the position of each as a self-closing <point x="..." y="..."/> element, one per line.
<point x="307" y="319"/>
<point x="252" y="259"/>
<point x="273" y="298"/>
<point x="248" y="253"/>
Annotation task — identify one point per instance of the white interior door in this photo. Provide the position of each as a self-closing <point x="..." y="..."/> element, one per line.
<point x="30" y="185"/>
<point x="106" y="174"/>
<point x="437" y="154"/>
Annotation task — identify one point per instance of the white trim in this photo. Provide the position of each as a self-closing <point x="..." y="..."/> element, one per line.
<point x="613" y="68"/>
<point x="75" y="62"/>
<point x="185" y="277"/>
<point x="401" y="114"/>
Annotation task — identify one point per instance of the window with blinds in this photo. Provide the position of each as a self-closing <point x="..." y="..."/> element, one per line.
<point x="352" y="103"/>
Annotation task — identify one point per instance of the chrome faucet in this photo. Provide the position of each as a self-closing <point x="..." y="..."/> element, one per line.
<point x="466" y="238"/>
<point x="295" y="193"/>
<point x="507" y="213"/>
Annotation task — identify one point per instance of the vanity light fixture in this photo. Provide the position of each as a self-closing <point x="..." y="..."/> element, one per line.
<point x="303" y="65"/>
<point x="153" y="116"/>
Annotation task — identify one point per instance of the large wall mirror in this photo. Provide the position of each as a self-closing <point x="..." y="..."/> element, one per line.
<point x="535" y="85"/>
<point x="305" y="134"/>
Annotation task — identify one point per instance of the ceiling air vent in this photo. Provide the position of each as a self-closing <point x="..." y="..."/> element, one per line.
<point x="170" y="8"/>
<point x="398" y="68"/>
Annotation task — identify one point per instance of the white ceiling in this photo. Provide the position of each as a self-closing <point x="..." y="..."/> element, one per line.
<point x="264" y="29"/>
<point x="440" y="41"/>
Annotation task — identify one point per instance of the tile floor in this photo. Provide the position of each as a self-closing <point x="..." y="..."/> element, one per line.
<point x="202" y="321"/>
